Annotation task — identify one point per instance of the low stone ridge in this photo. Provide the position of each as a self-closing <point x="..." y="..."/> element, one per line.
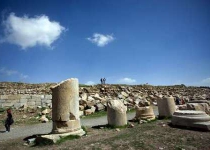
<point x="94" y="98"/>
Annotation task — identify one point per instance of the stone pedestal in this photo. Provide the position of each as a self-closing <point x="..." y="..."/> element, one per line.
<point x="166" y="106"/>
<point x="65" y="107"/>
<point x="191" y="118"/>
<point x="144" y="113"/>
<point x="116" y="113"/>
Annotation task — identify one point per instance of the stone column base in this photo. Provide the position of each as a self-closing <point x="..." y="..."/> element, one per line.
<point x="53" y="138"/>
<point x="60" y="127"/>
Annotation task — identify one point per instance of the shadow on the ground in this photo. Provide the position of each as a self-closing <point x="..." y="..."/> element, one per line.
<point x="187" y="128"/>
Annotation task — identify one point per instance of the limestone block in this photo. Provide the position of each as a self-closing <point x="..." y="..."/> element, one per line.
<point x="199" y="106"/>
<point x="32" y="100"/>
<point x="49" y="101"/>
<point x="38" y="100"/>
<point x="18" y="105"/>
<point x="4" y="97"/>
<point x="31" y="103"/>
<point x="116" y="113"/>
<point x="25" y="96"/>
<point x="90" y="111"/>
<point x="35" y="96"/>
<point x="23" y="100"/>
<point x="84" y="96"/>
<point x="11" y="101"/>
<point x="38" y="103"/>
<point x="124" y="94"/>
<point x="48" y="96"/>
<point x="14" y="97"/>
<point x="100" y="107"/>
<point x="145" y="113"/>
<point x="166" y="106"/>
<point x="2" y="101"/>
<point x="191" y="118"/>
<point x="7" y="104"/>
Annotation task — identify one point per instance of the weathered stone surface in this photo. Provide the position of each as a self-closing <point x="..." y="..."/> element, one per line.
<point x="90" y="111"/>
<point x="65" y="106"/>
<point x="145" y="113"/>
<point x="191" y="118"/>
<point x="55" y="137"/>
<point x="166" y="106"/>
<point x="23" y="100"/>
<point x="31" y="103"/>
<point x="199" y="106"/>
<point x="48" y="96"/>
<point x="116" y="113"/>
<point x="44" y="119"/>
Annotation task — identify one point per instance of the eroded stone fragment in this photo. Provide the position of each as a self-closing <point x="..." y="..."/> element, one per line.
<point x="116" y="113"/>
<point x="166" y="106"/>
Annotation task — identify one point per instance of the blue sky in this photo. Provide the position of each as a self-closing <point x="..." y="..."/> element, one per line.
<point x="162" y="42"/>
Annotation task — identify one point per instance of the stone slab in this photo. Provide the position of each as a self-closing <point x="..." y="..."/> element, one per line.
<point x="55" y="137"/>
<point x="191" y="118"/>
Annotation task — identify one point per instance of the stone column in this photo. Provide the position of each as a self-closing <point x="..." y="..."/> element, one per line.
<point x="116" y="113"/>
<point x="166" y="106"/>
<point x="145" y="113"/>
<point x="65" y="106"/>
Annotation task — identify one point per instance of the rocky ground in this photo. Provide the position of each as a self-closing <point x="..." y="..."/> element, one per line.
<point x="154" y="135"/>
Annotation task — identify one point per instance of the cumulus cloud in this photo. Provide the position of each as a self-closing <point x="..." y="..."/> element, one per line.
<point x="7" y="72"/>
<point x="127" y="80"/>
<point x="29" y="32"/>
<point x="89" y="83"/>
<point x="100" y="39"/>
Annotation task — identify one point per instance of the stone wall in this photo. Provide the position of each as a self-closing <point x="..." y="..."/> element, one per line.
<point x="25" y="100"/>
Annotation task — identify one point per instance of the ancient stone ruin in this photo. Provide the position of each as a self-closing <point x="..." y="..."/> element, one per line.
<point x="116" y="113"/>
<point x="144" y="113"/>
<point x="166" y="106"/>
<point x="65" y="110"/>
<point x="191" y="118"/>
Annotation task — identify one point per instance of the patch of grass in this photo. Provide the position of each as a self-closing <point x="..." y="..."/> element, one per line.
<point x="96" y="114"/>
<point x="114" y="127"/>
<point x="2" y="110"/>
<point x="84" y="129"/>
<point x="70" y="137"/>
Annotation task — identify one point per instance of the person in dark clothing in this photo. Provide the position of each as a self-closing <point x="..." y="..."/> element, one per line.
<point x="104" y="80"/>
<point x="101" y="81"/>
<point x="9" y="121"/>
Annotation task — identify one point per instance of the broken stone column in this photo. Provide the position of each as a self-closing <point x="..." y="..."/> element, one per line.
<point x="144" y="113"/>
<point x="191" y="118"/>
<point x="116" y="113"/>
<point x="166" y="106"/>
<point x="65" y="107"/>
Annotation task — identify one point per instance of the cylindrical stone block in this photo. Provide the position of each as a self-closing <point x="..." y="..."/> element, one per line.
<point x="116" y="113"/>
<point x="166" y="106"/>
<point x="61" y="101"/>
<point x="145" y="113"/>
<point x="65" y="106"/>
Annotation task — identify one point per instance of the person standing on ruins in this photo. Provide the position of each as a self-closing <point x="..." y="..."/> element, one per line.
<point x="104" y="80"/>
<point x="9" y="121"/>
<point x="101" y="81"/>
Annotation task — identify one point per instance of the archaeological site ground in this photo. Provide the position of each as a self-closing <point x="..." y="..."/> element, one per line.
<point x="104" y="116"/>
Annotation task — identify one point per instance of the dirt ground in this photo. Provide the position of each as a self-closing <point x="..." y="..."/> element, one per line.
<point x="154" y="135"/>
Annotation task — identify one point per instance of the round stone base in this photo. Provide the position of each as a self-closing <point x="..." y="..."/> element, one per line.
<point x="191" y="118"/>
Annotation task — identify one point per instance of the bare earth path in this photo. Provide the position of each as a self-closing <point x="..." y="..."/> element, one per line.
<point x="45" y="128"/>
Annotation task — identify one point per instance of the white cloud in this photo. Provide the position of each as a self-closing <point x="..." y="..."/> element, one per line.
<point x="127" y="80"/>
<point x="89" y="83"/>
<point x="28" y="32"/>
<point x="206" y="82"/>
<point x="100" y="39"/>
<point x="7" y="72"/>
